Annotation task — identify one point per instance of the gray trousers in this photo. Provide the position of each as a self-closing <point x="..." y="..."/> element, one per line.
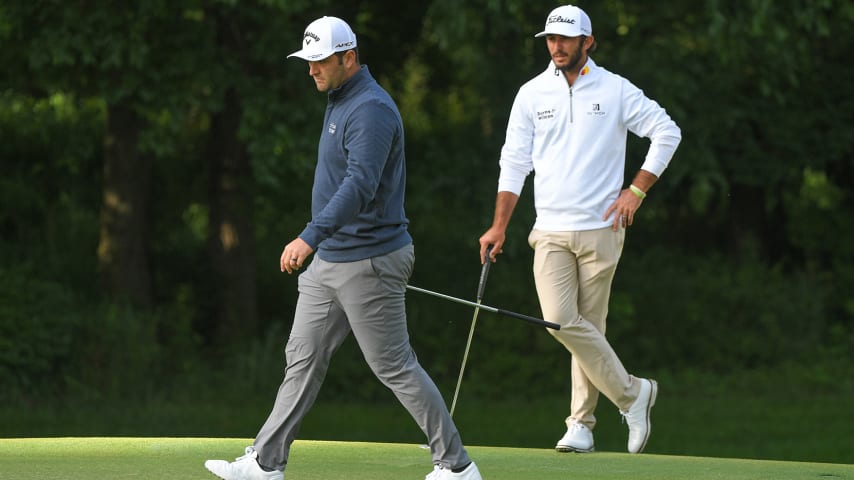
<point x="366" y="297"/>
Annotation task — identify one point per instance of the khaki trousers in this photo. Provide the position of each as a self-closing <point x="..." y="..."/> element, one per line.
<point x="573" y="273"/>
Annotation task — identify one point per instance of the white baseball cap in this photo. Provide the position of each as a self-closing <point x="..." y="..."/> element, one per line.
<point x="569" y="21"/>
<point x="325" y="36"/>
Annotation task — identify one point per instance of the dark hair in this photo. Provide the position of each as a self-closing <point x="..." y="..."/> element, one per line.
<point x="592" y="47"/>
<point x="340" y="55"/>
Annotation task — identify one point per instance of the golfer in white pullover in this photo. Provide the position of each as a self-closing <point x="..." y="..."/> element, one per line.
<point x="569" y="126"/>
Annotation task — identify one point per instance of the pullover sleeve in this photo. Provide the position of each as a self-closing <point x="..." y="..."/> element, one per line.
<point x="646" y="118"/>
<point x="368" y="137"/>
<point x="516" y="162"/>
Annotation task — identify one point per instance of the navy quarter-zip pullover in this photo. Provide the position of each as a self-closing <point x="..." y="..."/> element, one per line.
<point x="360" y="179"/>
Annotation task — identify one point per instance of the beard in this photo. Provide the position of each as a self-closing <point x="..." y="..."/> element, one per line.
<point x="574" y="63"/>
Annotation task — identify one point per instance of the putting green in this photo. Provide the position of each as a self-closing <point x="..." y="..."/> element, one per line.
<point x="108" y="458"/>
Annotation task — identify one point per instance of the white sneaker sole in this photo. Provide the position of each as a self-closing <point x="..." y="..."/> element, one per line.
<point x="653" y="393"/>
<point x="570" y="449"/>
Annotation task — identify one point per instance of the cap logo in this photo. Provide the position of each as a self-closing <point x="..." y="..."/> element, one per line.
<point x="308" y="36"/>
<point x="560" y="19"/>
<point x="323" y="37"/>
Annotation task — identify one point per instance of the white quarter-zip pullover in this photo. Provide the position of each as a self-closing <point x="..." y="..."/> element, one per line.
<point x="574" y="140"/>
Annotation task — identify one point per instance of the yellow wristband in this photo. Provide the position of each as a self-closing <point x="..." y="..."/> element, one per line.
<point x="637" y="191"/>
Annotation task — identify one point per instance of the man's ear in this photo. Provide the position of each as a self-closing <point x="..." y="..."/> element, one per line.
<point x="349" y="58"/>
<point x="588" y="42"/>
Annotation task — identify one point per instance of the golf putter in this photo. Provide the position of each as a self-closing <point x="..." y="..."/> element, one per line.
<point x="483" y="306"/>
<point x="480" y="287"/>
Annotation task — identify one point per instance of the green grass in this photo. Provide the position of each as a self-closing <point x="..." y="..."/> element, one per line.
<point x="766" y="415"/>
<point x="97" y="458"/>
<point x="744" y="424"/>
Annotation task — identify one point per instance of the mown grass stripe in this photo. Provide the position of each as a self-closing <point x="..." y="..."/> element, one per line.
<point x="107" y="458"/>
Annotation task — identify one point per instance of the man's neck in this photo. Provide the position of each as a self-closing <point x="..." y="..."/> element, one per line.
<point x="572" y="74"/>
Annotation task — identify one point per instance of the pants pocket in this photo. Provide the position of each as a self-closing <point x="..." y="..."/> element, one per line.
<point x="533" y="237"/>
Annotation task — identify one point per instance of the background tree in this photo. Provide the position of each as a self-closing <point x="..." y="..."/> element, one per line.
<point x="156" y="156"/>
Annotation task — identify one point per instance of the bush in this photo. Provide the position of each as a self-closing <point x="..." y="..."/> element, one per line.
<point x="54" y="345"/>
<point x="714" y="313"/>
<point x="37" y="318"/>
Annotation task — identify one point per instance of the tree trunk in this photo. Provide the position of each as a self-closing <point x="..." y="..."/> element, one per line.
<point x="754" y="230"/>
<point x="123" y="248"/>
<point x="231" y="238"/>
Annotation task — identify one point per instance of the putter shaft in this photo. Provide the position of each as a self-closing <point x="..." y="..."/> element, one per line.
<point x="484" y="273"/>
<point x="534" y="320"/>
<point x="465" y="359"/>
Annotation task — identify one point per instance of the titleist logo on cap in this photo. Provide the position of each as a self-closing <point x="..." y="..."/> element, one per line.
<point x="559" y="19"/>
<point x="567" y="20"/>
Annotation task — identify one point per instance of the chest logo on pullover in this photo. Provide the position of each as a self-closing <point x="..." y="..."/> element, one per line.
<point x="332" y="128"/>
<point x="546" y="114"/>
<point x="596" y="111"/>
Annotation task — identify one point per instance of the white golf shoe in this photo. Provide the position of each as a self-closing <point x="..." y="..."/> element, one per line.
<point x="440" y="473"/>
<point x="637" y="417"/>
<point x="244" y="468"/>
<point x="578" y="438"/>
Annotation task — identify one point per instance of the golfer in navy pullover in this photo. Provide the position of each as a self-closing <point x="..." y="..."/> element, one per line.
<point x="357" y="199"/>
<point x="356" y="282"/>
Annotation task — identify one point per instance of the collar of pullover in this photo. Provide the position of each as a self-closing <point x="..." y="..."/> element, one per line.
<point x="585" y="71"/>
<point x="362" y="76"/>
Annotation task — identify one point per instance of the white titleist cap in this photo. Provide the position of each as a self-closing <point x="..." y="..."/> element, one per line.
<point x="325" y="36"/>
<point x="569" y="21"/>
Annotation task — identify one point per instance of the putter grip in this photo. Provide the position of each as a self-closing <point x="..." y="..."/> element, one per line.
<point x="484" y="272"/>
<point x="534" y="320"/>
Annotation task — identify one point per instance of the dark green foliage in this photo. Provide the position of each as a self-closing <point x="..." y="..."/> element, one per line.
<point x="35" y="334"/>
<point x="55" y="346"/>
<point x="714" y="314"/>
<point x="741" y="257"/>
